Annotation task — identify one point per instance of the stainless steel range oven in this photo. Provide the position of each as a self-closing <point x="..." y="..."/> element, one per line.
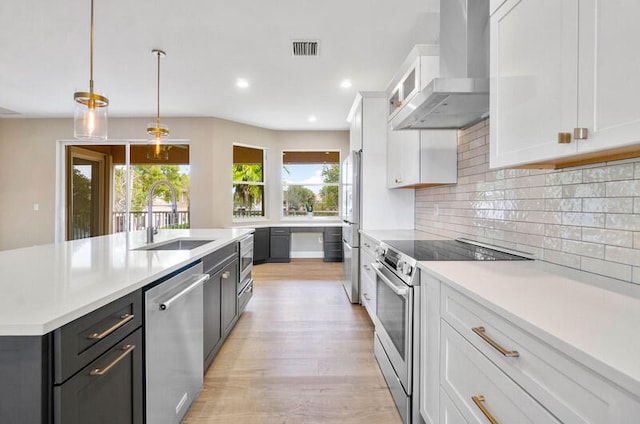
<point x="397" y="332"/>
<point x="397" y="319"/>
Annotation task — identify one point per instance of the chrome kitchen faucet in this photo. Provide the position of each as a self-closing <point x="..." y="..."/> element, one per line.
<point x="174" y="207"/>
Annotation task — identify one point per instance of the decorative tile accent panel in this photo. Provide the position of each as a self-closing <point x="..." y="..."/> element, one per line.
<point x="584" y="217"/>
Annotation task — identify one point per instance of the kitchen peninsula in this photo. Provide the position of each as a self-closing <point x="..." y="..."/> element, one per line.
<point x="45" y="288"/>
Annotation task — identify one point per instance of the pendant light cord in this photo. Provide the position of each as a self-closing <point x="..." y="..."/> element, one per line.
<point x="91" y="53"/>
<point x="158" y="110"/>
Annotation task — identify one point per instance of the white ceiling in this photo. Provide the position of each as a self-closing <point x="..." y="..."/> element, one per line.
<point x="44" y="56"/>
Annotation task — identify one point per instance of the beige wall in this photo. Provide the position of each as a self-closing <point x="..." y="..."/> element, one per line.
<point x="28" y="168"/>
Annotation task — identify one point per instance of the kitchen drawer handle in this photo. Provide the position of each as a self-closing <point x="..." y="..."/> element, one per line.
<point x="366" y="296"/>
<point x="125" y="318"/>
<point x="127" y="349"/>
<point x="167" y="303"/>
<point x="226" y="274"/>
<point x="367" y="267"/>
<point x="478" y="401"/>
<point x="480" y="331"/>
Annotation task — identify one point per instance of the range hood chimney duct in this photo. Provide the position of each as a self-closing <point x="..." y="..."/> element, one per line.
<point x="460" y="96"/>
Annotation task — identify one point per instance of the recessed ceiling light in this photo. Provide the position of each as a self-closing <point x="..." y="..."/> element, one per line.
<point x="242" y="83"/>
<point x="312" y="118"/>
<point x="346" y="84"/>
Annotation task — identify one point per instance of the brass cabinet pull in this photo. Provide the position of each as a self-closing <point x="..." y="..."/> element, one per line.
<point x="123" y="320"/>
<point x="125" y="351"/>
<point x="478" y="401"/>
<point x="564" y="137"/>
<point x="580" y="133"/>
<point x="398" y="103"/>
<point x="480" y="332"/>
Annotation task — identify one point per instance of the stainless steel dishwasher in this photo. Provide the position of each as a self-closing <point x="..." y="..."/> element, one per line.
<point x="173" y="345"/>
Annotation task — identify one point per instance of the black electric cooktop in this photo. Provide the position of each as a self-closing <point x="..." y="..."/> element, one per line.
<point x="449" y="250"/>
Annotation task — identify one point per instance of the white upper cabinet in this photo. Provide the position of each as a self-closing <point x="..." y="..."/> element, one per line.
<point x="355" y="129"/>
<point x="421" y="158"/>
<point x="563" y="84"/>
<point x="418" y="158"/>
<point x="609" y="80"/>
<point x="419" y="68"/>
<point x="380" y="207"/>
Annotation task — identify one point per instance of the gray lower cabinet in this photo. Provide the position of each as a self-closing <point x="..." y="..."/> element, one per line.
<point x="98" y="365"/>
<point x="220" y="294"/>
<point x="280" y="244"/>
<point x="107" y="391"/>
<point x="261" y="245"/>
<point x="25" y="379"/>
<point x="229" y="297"/>
<point x="88" y="371"/>
<point x="332" y="243"/>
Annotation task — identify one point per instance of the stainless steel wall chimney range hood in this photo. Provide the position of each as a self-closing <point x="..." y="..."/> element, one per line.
<point x="460" y="96"/>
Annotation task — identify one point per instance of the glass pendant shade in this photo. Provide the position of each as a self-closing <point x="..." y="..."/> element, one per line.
<point x="158" y="152"/>
<point x="90" y="118"/>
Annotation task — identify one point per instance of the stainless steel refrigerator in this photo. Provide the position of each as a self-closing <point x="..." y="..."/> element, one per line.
<point x="351" y="217"/>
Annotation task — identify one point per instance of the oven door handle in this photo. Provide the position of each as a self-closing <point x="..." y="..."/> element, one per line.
<point x="399" y="290"/>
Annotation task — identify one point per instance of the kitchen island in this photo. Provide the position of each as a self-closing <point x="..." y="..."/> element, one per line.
<point x="51" y="292"/>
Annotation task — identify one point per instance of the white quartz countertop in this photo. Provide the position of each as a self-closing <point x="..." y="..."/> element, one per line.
<point x="573" y="311"/>
<point x="44" y="287"/>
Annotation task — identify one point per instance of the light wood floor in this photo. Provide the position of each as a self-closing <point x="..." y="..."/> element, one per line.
<point x="300" y="353"/>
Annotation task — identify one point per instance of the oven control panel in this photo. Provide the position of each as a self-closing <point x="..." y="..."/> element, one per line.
<point x="401" y="264"/>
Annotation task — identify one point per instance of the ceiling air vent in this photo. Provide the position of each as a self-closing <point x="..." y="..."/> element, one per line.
<point x="305" y="47"/>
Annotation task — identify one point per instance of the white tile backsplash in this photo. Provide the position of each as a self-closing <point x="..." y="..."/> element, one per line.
<point x="584" y="217"/>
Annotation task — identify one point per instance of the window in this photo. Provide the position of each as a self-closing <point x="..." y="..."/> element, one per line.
<point x="310" y="183"/>
<point x="107" y="187"/>
<point x="248" y="182"/>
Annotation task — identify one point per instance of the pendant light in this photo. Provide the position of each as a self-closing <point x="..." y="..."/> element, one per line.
<point x="158" y="131"/>
<point x="90" y="119"/>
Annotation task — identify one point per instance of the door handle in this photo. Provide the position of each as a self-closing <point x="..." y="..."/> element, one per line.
<point x="102" y="371"/>
<point x="478" y="400"/>
<point x="125" y="318"/>
<point x="400" y="291"/>
<point x="167" y="303"/>
<point x="481" y="332"/>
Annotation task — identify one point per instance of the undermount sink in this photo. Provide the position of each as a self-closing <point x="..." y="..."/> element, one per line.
<point x="176" y="244"/>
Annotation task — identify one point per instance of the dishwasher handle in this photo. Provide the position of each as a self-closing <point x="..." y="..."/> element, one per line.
<point x="167" y="303"/>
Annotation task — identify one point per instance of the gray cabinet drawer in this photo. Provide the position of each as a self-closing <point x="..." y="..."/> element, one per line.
<point x="333" y="252"/>
<point x="81" y="341"/>
<point x="332" y="234"/>
<point x="215" y="259"/>
<point x="280" y="231"/>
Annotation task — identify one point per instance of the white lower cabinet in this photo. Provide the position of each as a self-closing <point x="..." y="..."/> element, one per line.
<point x="367" y="274"/>
<point x="479" y="389"/>
<point x="430" y="352"/>
<point x="449" y="414"/>
<point x="487" y="361"/>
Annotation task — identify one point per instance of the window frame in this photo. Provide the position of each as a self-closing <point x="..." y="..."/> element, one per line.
<point x="283" y="217"/>
<point x="263" y="183"/>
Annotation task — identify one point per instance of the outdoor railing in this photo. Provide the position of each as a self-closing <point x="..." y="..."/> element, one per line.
<point x="138" y="220"/>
